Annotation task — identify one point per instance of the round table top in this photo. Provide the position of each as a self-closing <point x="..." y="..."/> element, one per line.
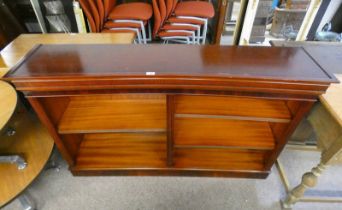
<point x="35" y="144"/>
<point x="8" y="102"/>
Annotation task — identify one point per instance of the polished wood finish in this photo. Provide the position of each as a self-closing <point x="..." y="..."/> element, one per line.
<point x="122" y="150"/>
<point x="220" y="159"/>
<point x="114" y="113"/>
<point x="55" y="107"/>
<point x="232" y="106"/>
<point x="170" y="110"/>
<point x="210" y="132"/>
<point x="44" y="118"/>
<point x="17" y="49"/>
<point x="170" y="125"/>
<point x="82" y="61"/>
<point x="287" y="131"/>
<point x="32" y="140"/>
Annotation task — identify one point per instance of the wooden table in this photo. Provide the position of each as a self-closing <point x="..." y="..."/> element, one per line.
<point x="8" y="102"/>
<point x="109" y="115"/>
<point x="326" y="116"/>
<point x="33" y="141"/>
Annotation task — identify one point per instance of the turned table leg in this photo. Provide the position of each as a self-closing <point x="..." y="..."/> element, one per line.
<point x="309" y="180"/>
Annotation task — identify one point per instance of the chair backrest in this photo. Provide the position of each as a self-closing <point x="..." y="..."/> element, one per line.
<point x="95" y="13"/>
<point x="100" y="8"/>
<point x="162" y="9"/>
<point x="169" y="8"/>
<point x="157" y="18"/>
<point x="86" y="9"/>
<point x="108" y="6"/>
<point x="174" y="4"/>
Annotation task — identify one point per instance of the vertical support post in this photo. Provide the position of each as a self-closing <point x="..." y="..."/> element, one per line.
<point x="205" y="28"/>
<point x="170" y="125"/>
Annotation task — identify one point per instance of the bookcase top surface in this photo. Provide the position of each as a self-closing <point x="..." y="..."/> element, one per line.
<point x="208" y="61"/>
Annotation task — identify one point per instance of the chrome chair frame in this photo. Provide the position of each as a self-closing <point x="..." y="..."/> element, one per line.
<point x="205" y="25"/>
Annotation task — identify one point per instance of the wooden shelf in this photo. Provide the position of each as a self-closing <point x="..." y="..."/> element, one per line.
<point x="242" y="108"/>
<point x="114" y="113"/>
<point x="122" y="150"/>
<point x="218" y="132"/>
<point x="224" y="159"/>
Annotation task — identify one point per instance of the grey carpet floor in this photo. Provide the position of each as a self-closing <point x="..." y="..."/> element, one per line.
<point x="61" y="191"/>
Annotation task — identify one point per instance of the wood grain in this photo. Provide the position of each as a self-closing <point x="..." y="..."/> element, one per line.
<point x="232" y="106"/>
<point x="44" y="118"/>
<point x="72" y="143"/>
<point x="304" y="108"/>
<point x="55" y="107"/>
<point x="8" y="102"/>
<point x="122" y="150"/>
<point x="204" y="61"/>
<point x="170" y="126"/>
<point x="223" y="159"/>
<point x="115" y="113"/>
<point x="234" y="98"/>
<point x="35" y="144"/>
<point x="251" y="174"/>
<point x="212" y="69"/>
<point x="221" y="132"/>
<point x="17" y="49"/>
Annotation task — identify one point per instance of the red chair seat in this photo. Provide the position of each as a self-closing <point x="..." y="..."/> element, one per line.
<point x="111" y="24"/>
<point x="166" y="34"/>
<point x="195" y="8"/>
<point x="132" y="11"/>
<point x="175" y="27"/>
<point x="181" y="20"/>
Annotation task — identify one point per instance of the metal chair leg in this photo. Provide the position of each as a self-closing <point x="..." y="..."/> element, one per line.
<point x="205" y="31"/>
<point x="143" y="32"/>
<point x="14" y="159"/>
<point x="27" y="202"/>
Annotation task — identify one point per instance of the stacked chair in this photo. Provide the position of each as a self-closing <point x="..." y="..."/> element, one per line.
<point x="107" y="17"/>
<point x="194" y="12"/>
<point x="129" y="15"/>
<point x="185" y="22"/>
<point x="183" y="32"/>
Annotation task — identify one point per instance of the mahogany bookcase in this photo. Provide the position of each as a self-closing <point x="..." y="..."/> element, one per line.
<point x="170" y="110"/>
